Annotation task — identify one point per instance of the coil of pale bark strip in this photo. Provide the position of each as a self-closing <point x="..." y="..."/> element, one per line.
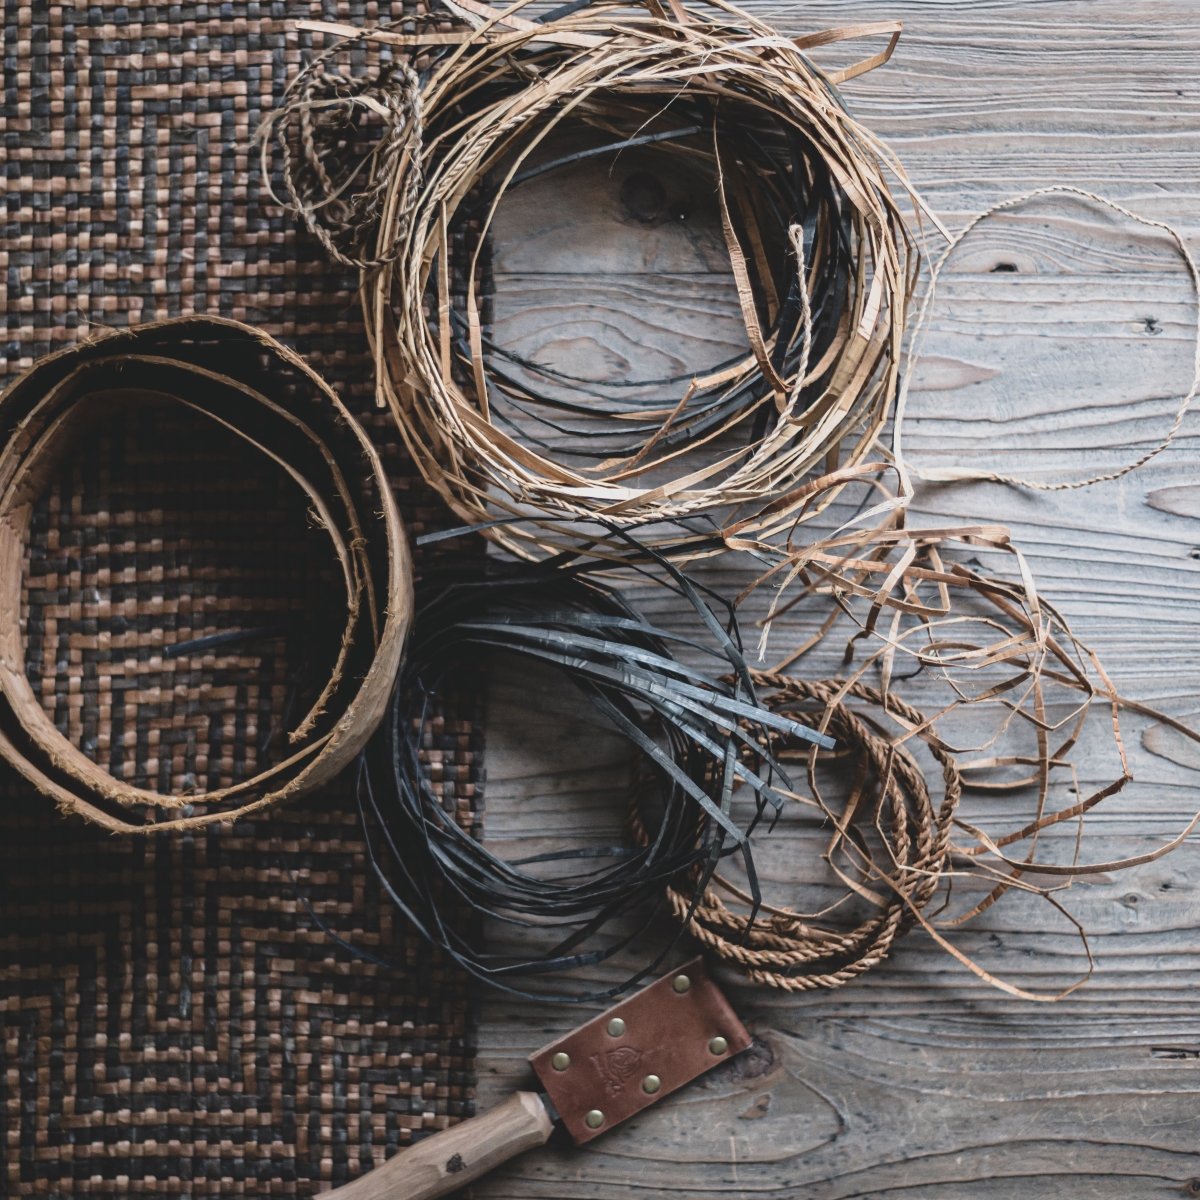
<point x="817" y="246"/>
<point x="265" y="394"/>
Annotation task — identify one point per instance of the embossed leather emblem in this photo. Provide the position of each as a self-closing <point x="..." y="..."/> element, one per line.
<point x="616" y="1067"/>
<point x="665" y="1040"/>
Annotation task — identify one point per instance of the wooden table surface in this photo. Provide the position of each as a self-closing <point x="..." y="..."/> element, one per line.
<point x="1060" y="342"/>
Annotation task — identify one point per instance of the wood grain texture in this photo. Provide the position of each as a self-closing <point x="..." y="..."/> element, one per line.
<point x="1059" y="342"/>
<point x="443" y="1163"/>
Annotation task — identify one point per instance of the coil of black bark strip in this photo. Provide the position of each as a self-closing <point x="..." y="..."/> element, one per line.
<point x="699" y="739"/>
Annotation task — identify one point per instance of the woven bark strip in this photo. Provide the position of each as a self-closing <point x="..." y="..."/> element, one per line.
<point x="264" y="393"/>
<point x="822" y="261"/>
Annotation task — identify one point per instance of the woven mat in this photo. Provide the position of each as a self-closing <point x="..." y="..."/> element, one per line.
<point x="175" y="1017"/>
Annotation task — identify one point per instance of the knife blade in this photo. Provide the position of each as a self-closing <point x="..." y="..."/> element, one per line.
<point x="598" y="1075"/>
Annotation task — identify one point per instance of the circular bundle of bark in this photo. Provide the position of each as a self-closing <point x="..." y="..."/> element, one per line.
<point x="251" y="385"/>
<point x="540" y="459"/>
<point x="889" y="802"/>
<point x="696" y="736"/>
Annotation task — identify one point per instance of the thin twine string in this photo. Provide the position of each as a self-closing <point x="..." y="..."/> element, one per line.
<point x="920" y="328"/>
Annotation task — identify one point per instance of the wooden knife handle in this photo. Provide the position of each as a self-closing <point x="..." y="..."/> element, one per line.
<point x="447" y="1161"/>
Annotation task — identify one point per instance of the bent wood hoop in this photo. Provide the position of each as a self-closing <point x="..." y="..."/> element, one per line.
<point x="215" y="369"/>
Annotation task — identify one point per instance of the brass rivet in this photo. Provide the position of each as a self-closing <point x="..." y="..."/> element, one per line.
<point x="594" y="1119"/>
<point x="561" y="1061"/>
<point x="681" y="983"/>
<point x="651" y="1084"/>
<point x="616" y="1027"/>
<point x="718" y="1046"/>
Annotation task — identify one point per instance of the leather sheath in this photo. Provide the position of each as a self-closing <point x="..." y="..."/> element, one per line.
<point x="667" y="1033"/>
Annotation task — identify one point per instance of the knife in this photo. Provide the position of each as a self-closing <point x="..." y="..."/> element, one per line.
<point x="595" y="1077"/>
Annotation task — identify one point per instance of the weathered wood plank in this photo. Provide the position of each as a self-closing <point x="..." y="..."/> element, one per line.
<point x="920" y="1080"/>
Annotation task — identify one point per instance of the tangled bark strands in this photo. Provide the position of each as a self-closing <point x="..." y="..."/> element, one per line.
<point x="262" y="392"/>
<point x="823" y="264"/>
<point x="982" y="641"/>
<point x="698" y="738"/>
<point x="905" y="596"/>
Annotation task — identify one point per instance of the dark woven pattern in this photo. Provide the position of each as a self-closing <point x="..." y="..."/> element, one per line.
<point x="174" y="1022"/>
<point x="140" y="551"/>
<point x="175" y="1017"/>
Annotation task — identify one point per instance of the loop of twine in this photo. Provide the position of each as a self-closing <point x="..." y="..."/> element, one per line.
<point x="338" y="190"/>
<point x="920" y="328"/>
<point x="796" y="951"/>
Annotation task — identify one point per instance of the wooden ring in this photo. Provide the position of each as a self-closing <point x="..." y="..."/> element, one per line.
<point x="264" y="393"/>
